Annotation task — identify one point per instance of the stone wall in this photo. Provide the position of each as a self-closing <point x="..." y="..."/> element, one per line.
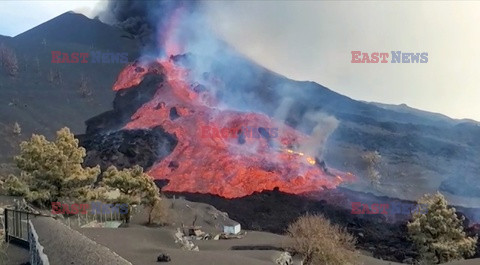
<point x="37" y="256"/>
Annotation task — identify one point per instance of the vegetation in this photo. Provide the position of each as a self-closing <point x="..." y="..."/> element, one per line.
<point x="159" y="213"/>
<point x="438" y="234"/>
<point x="320" y="242"/>
<point x="14" y="187"/>
<point x="51" y="170"/>
<point x="135" y="188"/>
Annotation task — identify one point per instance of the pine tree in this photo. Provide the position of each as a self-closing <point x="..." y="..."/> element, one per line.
<point x="53" y="170"/>
<point x="438" y="234"/>
<point x="14" y="187"/>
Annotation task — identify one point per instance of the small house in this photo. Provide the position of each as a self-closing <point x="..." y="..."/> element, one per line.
<point x="231" y="228"/>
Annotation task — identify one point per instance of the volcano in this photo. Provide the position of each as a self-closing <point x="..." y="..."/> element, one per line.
<point x="193" y="81"/>
<point x="244" y="158"/>
<point x="246" y="162"/>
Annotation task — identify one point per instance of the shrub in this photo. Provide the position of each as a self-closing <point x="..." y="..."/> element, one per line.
<point x="159" y="213"/>
<point x="439" y="234"/>
<point x="320" y="242"/>
<point x="134" y="185"/>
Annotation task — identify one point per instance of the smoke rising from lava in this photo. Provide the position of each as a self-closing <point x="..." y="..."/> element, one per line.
<point x="324" y="126"/>
<point x="210" y="84"/>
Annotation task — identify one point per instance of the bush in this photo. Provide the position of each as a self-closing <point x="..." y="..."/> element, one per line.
<point x="134" y="185"/>
<point x="159" y="213"/>
<point x="320" y="242"/>
<point x="439" y="234"/>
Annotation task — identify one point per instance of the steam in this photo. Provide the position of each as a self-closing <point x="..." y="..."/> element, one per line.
<point x="281" y="112"/>
<point x="170" y="28"/>
<point x="324" y="126"/>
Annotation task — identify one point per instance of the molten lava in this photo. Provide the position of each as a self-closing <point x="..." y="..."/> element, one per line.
<point x="230" y="167"/>
<point x="216" y="165"/>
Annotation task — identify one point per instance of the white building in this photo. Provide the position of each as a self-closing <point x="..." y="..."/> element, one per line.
<point x="232" y="228"/>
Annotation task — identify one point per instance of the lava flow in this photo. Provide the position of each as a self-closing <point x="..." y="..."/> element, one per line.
<point x="222" y="166"/>
<point x="230" y="167"/>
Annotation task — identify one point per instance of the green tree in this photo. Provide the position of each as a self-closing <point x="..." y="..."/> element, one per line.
<point x="53" y="170"/>
<point x="135" y="187"/>
<point x="438" y="233"/>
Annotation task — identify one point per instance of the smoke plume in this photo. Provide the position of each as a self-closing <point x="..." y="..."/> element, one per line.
<point x="181" y="29"/>
<point x="324" y="126"/>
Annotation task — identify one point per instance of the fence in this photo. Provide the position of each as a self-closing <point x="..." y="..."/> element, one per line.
<point x="17" y="229"/>
<point x="92" y="217"/>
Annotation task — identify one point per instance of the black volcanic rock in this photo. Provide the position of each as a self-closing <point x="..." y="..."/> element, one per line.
<point x="126" y="148"/>
<point x="416" y="146"/>
<point x="174" y="114"/>
<point x="125" y="104"/>
<point x="107" y="143"/>
<point x="273" y="211"/>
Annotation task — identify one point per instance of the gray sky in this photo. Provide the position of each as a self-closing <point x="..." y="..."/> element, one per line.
<point x="310" y="40"/>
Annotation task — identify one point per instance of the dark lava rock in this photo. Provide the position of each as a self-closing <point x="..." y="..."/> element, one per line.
<point x="174" y="114"/>
<point x="163" y="258"/>
<point x="126" y="148"/>
<point x="273" y="211"/>
<point x="125" y="104"/>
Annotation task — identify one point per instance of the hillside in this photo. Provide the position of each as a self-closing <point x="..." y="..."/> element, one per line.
<point x="149" y="113"/>
<point x="421" y="153"/>
<point x="43" y="97"/>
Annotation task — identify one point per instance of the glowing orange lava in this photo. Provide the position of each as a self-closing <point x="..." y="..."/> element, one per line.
<point x="217" y="165"/>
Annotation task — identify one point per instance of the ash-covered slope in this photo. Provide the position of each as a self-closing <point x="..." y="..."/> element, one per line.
<point x="43" y="96"/>
<point x="420" y="153"/>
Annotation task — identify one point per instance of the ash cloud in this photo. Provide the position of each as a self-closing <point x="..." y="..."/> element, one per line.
<point x="244" y="86"/>
<point x="143" y="19"/>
